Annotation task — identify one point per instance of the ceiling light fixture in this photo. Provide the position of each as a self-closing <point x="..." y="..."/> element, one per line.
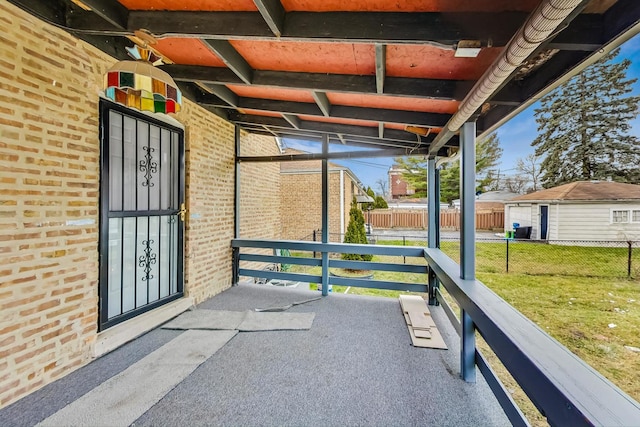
<point x="139" y="84"/>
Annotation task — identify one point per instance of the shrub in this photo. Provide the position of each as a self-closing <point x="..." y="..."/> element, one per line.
<point x="380" y="203"/>
<point x="356" y="233"/>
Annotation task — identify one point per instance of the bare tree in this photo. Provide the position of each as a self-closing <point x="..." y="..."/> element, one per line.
<point x="383" y="185"/>
<point x="516" y="183"/>
<point x="530" y="168"/>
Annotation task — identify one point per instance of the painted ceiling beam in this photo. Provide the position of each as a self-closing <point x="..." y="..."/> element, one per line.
<point x="230" y="56"/>
<point x="381" y="64"/>
<point x="321" y="127"/>
<point x="323" y="102"/>
<point x="270" y="131"/>
<point x="348" y="131"/>
<point x="333" y="155"/>
<point x="111" y="11"/>
<point x="273" y="14"/>
<point x="345" y="83"/>
<point x="193" y="92"/>
<point x="443" y="29"/>
<point x="338" y="111"/>
<point x="224" y="93"/>
<point x="532" y="85"/>
<point x="352" y="140"/>
<point x="356" y="141"/>
<point x="293" y="120"/>
<point x="620" y="18"/>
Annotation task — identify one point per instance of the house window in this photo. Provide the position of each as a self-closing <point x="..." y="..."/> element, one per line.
<point x="620" y="216"/>
<point x="635" y="216"/>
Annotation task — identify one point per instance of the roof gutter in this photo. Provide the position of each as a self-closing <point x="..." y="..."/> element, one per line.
<point x="539" y="26"/>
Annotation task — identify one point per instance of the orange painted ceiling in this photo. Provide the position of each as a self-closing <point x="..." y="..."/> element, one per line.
<point x="299" y="65"/>
<point x="394" y="102"/>
<point x="423" y="61"/>
<point x="342" y="58"/>
<point x="188" y="52"/>
<point x="194" y="5"/>
<point x="339" y="120"/>
<point x="408" y="5"/>
<point x="339" y="5"/>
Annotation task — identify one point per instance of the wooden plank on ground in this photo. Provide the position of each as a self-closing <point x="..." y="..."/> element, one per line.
<point x="418" y="312"/>
<point x="422" y="328"/>
<point x="421" y="333"/>
<point x="435" y="341"/>
<point x="421" y="320"/>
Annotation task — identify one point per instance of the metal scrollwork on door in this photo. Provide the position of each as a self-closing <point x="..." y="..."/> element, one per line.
<point x="147" y="260"/>
<point x="148" y="166"/>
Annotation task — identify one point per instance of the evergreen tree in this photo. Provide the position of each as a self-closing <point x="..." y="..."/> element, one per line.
<point x="488" y="153"/>
<point x="380" y="203"/>
<point x="370" y="193"/>
<point x="355" y="232"/>
<point x="583" y="127"/>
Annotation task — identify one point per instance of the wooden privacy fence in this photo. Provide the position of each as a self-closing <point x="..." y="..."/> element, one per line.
<point x="402" y="218"/>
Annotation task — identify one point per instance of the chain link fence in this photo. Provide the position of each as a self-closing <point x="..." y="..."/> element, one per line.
<point x="555" y="257"/>
<point x="582" y="258"/>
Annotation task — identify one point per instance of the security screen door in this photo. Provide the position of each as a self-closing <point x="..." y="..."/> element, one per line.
<point x="141" y="214"/>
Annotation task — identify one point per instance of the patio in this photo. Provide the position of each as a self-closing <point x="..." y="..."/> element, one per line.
<point x="355" y="366"/>
<point x="86" y="251"/>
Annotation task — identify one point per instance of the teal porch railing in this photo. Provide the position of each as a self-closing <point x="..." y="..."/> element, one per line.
<point x="562" y="386"/>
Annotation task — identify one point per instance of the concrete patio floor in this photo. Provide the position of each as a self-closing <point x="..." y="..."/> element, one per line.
<point x="355" y="366"/>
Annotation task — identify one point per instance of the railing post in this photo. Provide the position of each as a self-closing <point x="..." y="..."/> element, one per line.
<point x="507" y="261"/>
<point x="236" y="194"/>
<point x="235" y="253"/>
<point x="629" y="256"/>
<point x="433" y="213"/>
<point x="404" y="243"/>
<point x="325" y="214"/>
<point x="467" y="244"/>
<point x="314" y="239"/>
<point x="235" y="266"/>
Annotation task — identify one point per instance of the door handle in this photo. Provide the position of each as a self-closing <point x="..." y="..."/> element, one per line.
<point x="182" y="212"/>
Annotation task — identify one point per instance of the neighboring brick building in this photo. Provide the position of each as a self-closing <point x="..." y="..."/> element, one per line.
<point x="301" y="199"/>
<point x="50" y="217"/>
<point x="398" y="187"/>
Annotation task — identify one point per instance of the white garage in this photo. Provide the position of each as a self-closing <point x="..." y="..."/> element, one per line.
<point x="584" y="210"/>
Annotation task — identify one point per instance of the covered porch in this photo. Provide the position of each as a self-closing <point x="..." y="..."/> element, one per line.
<point x="426" y="80"/>
<point x="355" y="366"/>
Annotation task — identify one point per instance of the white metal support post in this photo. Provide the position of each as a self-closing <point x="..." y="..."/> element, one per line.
<point x="468" y="244"/>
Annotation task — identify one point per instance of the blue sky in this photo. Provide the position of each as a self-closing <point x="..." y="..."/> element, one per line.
<point x="515" y="136"/>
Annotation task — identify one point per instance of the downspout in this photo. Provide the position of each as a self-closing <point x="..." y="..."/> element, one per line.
<point x="341" y="205"/>
<point x="539" y="27"/>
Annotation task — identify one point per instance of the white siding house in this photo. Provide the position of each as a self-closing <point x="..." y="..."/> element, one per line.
<point x="584" y="210"/>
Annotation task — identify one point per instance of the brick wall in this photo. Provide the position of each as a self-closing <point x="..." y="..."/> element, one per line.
<point x="301" y="204"/>
<point x="398" y="186"/>
<point x="49" y="164"/>
<point x="49" y="187"/>
<point x="260" y="216"/>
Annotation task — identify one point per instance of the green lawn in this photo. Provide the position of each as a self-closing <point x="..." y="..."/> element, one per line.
<point x="576" y="294"/>
<point x="543" y="259"/>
